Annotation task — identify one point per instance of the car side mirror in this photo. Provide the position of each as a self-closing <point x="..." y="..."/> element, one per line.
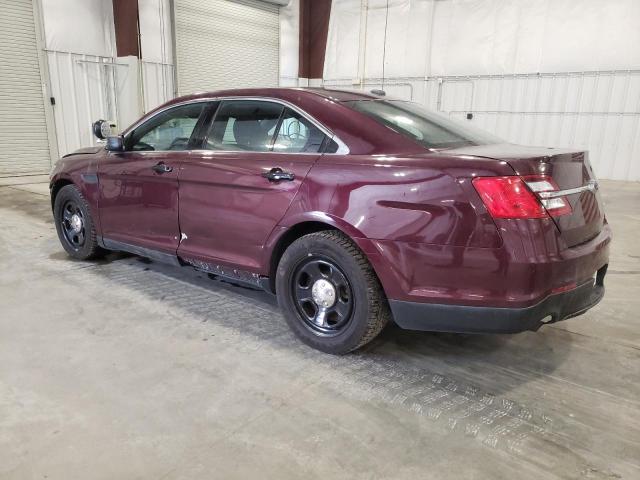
<point x="115" y="143"/>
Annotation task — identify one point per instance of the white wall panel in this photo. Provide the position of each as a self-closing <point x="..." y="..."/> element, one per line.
<point x="84" y="90"/>
<point x="87" y="85"/>
<point x="88" y="88"/>
<point x="598" y="111"/>
<point x="156" y="39"/>
<point x="595" y="111"/>
<point x="158" y="84"/>
<point x="289" y="43"/>
<point x="358" y="47"/>
<point x="128" y="91"/>
<point x="344" y="51"/>
<point x="482" y="57"/>
<point x="518" y="36"/>
<point x="80" y="53"/>
<point x="79" y="26"/>
<point x="156" y="49"/>
<point x="480" y="37"/>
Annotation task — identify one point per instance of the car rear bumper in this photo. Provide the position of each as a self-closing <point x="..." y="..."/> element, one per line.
<point x="474" y="319"/>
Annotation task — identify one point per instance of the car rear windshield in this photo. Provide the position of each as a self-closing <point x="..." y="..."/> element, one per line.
<point x="421" y="125"/>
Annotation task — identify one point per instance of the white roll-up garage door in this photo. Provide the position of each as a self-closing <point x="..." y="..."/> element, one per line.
<point x="226" y="44"/>
<point x="24" y="143"/>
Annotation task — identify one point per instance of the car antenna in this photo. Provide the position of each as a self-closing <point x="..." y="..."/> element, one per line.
<point x="376" y="91"/>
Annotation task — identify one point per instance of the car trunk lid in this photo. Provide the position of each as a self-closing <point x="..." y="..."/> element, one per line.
<point x="570" y="170"/>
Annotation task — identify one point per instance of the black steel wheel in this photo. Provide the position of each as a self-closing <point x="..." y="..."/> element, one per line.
<point x="322" y="294"/>
<point x="329" y="293"/>
<point x="74" y="224"/>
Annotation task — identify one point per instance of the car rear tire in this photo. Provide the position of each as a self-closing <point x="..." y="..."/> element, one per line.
<point x="330" y="295"/>
<point x="74" y="224"/>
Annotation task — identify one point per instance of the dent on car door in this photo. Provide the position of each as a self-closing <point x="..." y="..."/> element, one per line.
<point x="139" y="187"/>
<point x="254" y="158"/>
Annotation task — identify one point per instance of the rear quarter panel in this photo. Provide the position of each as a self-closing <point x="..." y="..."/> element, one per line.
<point x="425" y="203"/>
<point x="422" y="200"/>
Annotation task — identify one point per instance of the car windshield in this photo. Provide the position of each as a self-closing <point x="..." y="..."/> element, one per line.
<point x="430" y="129"/>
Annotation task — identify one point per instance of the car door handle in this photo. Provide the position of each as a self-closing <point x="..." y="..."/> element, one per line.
<point x="162" y="168"/>
<point x="276" y="174"/>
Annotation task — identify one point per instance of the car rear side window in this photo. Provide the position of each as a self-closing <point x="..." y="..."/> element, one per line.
<point x="169" y="130"/>
<point x="296" y="134"/>
<point x="244" y="125"/>
<point x="427" y="128"/>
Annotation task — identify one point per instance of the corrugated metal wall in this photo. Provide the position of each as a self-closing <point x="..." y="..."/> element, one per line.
<point x="598" y="111"/>
<point x="24" y="138"/>
<point x="223" y="44"/>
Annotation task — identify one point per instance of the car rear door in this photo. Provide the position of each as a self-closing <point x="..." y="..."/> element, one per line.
<point x="255" y="155"/>
<point x="139" y="187"/>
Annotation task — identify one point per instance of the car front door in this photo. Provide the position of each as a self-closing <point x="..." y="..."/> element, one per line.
<point x="139" y="186"/>
<point x="255" y="155"/>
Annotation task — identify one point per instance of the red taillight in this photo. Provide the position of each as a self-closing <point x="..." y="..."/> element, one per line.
<point x="541" y="184"/>
<point x="508" y="197"/>
<point x="521" y="197"/>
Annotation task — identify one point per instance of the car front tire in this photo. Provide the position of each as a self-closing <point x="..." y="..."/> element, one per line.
<point x="74" y="224"/>
<point x="329" y="293"/>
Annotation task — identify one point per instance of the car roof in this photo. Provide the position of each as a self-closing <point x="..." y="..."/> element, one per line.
<point x="361" y="134"/>
<point x="337" y="95"/>
<point x="342" y="95"/>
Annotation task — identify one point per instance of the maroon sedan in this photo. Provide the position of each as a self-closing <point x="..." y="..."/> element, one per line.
<point x="352" y="208"/>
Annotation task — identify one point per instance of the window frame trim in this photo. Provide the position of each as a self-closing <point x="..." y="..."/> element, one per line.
<point x="126" y="135"/>
<point x="343" y="149"/>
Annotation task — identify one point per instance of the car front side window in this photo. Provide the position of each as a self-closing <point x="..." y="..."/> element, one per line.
<point x="169" y="130"/>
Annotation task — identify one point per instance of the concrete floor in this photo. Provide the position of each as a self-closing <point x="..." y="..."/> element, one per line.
<point x="124" y="369"/>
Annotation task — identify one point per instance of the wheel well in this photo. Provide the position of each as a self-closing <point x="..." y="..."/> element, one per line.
<point x="290" y="236"/>
<point x="56" y="187"/>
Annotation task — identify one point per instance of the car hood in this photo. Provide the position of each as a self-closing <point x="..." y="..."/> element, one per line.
<point x="85" y="151"/>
